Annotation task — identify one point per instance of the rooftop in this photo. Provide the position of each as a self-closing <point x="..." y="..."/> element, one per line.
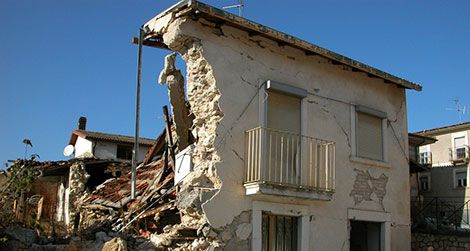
<point x="193" y="8"/>
<point x="446" y="129"/>
<point x="107" y="137"/>
<point x="420" y="139"/>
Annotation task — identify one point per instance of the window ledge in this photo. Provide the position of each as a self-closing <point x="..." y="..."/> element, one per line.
<point x="369" y="162"/>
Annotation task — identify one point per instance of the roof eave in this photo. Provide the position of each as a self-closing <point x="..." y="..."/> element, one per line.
<point x="195" y="7"/>
<point x="446" y="129"/>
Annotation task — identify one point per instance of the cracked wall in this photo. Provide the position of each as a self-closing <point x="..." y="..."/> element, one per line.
<point x="226" y="68"/>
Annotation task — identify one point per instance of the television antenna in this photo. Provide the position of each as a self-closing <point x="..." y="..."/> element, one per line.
<point x="459" y="108"/>
<point x="239" y="5"/>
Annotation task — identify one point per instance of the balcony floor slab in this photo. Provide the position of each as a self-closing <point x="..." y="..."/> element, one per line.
<point x="272" y="189"/>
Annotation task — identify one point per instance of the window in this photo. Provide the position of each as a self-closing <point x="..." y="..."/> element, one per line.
<point x="459" y="144"/>
<point x="424" y="183"/>
<point x="283" y="107"/>
<point x="369" y="128"/>
<point x="279" y="232"/>
<point x="425" y="158"/>
<point x="124" y="152"/>
<point x="283" y="112"/>
<point x="461" y="178"/>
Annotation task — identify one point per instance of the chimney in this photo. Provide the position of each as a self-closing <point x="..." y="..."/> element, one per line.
<point x="82" y="123"/>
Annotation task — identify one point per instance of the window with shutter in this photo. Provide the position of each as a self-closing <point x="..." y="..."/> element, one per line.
<point x="459" y="145"/>
<point x="369" y="136"/>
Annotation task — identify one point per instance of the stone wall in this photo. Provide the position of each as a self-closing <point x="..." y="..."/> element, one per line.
<point x="421" y="241"/>
<point x="77" y="179"/>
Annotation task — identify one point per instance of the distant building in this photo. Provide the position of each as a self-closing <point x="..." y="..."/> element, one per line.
<point x="445" y="185"/>
<point x="451" y="148"/>
<point x="104" y="145"/>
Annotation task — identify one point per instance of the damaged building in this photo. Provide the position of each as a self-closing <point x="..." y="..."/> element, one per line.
<point x="295" y="147"/>
<point x="274" y="144"/>
<point x="86" y="197"/>
<point x="51" y="199"/>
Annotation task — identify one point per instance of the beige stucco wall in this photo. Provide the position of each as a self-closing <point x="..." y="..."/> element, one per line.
<point x="440" y="149"/>
<point x="443" y="183"/>
<point x="240" y="65"/>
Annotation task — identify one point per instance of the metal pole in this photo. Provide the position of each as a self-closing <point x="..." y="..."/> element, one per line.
<point x="135" y="152"/>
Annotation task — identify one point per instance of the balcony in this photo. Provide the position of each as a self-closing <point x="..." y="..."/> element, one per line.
<point x="425" y="158"/>
<point x="280" y="163"/>
<point x="459" y="154"/>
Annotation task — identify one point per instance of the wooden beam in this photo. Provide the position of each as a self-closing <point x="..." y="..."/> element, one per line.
<point x="150" y="43"/>
<point x="157" y="148"/>
<point x="169" y="137"/>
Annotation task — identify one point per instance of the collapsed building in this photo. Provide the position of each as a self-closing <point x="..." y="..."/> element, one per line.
<point x="48" y="192"/>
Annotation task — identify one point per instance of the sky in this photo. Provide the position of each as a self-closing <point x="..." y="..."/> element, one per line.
<point x="61" y="59"/>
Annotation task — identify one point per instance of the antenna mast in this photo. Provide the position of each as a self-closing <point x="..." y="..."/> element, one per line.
<point x="240" y="6"/>
<point x="460" y="109"/>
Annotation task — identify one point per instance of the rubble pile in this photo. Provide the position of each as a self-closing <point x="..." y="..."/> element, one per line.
<point x="110" y="206"/>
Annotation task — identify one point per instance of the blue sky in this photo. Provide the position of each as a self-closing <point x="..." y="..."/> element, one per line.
<point x="60" y="60"/>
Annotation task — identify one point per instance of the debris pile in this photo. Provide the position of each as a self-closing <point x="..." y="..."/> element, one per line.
<point x="85" y="203"/>
<point x="110" y="206"/>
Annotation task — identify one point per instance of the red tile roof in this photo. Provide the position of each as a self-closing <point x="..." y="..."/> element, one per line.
<point x="116" y="192"/>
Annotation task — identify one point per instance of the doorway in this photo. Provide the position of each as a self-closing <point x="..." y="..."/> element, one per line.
<point x="365" y="236"/>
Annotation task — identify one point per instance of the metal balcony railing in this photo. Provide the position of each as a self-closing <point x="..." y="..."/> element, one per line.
<point x="288" y="159"/>
<point x="459" y="154"/>
<point x="425" y="158"/>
